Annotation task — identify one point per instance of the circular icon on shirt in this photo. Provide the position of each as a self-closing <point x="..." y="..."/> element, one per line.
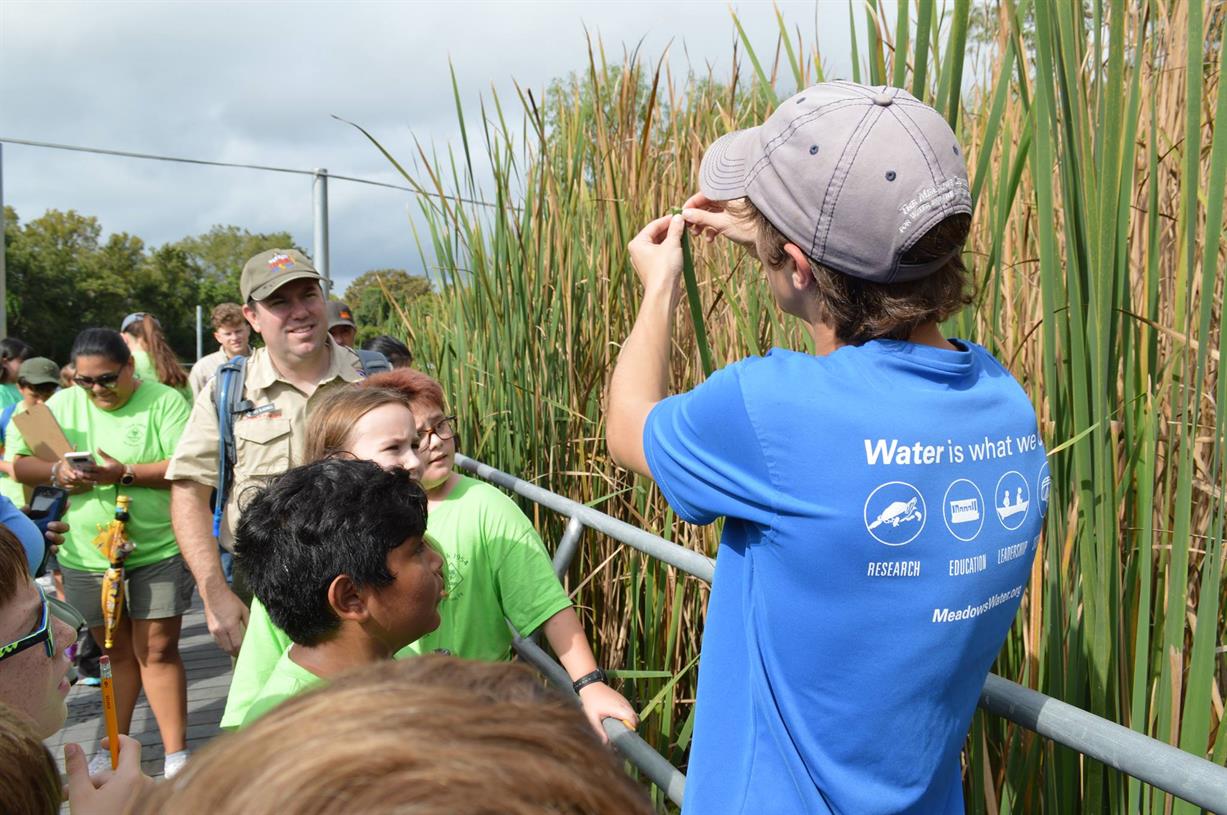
<point x="134" y="436"/>
<point x="895" y="513"/>
<point x="1012" y="499"/>
<point x="1043" y="482"/>
<point x="963" y="509"/>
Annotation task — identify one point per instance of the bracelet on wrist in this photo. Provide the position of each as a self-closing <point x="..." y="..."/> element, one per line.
<point x="55" y="474"/>
<point x="590" y="679"/>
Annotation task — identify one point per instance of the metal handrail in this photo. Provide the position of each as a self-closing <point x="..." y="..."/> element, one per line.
<point x="1161" y="765"/>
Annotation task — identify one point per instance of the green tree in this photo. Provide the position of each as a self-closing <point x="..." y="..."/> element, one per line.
<point x="168" y="283"/>
<point x="219" y="255"/>
<point x="62" y="277"/>
<point x="372" y="309"/>
<point x="50" y="262"/>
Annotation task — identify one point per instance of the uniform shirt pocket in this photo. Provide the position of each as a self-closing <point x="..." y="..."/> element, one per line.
<point x="262" y="446"/>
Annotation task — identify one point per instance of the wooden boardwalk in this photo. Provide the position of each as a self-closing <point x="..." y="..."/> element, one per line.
<point x="208" y="680"/>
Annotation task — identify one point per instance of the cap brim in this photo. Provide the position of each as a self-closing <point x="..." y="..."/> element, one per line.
<point x="40" y="380"/>
<point x="722" y="174"/>
<point x="265" y="289"/>
<point x="336" y="323"/>
<point x="65" y="613"/>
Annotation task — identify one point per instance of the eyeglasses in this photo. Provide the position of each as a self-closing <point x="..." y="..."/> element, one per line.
<point x="108" y="381"/>
<point x="45" y="633"/>
<point x="442" y="428"/>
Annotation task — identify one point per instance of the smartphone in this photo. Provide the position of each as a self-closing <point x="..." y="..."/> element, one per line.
<point x="47" y="504"/>
<point x="82" y="458"/>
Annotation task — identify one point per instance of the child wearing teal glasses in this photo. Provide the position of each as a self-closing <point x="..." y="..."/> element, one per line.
<point x="37" y="637"/>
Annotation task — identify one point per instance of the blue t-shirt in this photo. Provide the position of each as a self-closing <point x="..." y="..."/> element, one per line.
<point x="883" y="505"/>
<point x="25" y="530"/>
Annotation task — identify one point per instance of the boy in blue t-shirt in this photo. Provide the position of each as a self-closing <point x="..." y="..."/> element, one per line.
<point x="336" y="551"/>
<point x="883" y="496"/>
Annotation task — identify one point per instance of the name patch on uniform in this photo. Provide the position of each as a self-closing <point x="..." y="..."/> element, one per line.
<point x="263" y="410"/>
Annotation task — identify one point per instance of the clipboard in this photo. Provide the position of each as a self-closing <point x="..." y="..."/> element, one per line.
<point x="43" y="435"/>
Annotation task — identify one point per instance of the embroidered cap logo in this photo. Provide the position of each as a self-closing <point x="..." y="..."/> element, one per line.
<point x="281" y="262"/>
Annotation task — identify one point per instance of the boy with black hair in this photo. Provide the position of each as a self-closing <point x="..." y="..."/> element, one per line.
<point x="883" y="495"/>
<point x="336" y="551"/>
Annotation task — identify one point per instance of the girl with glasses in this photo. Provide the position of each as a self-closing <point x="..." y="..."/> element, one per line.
<point x="496" y="567"/>
<point x="131" y="427"/>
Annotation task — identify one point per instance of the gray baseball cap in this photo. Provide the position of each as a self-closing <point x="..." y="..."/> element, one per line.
<point x="272" y="269"/>
<point x="339" y="314"/>
<point x="853" y="175"/>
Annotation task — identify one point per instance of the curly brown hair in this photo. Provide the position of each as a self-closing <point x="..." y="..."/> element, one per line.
<point x="227" y="315"/>
<point x="860" y="310"/>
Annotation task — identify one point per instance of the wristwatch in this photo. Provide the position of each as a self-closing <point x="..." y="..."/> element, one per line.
<point x="590" y="679"/>
<point x="129" y="476"/>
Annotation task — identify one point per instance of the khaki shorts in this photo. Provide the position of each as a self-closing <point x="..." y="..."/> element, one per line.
<point x="151" y="592"/>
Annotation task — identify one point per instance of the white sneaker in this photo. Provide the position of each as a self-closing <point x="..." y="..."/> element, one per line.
<point x="100" y="764"/>
<point x="173" y="763"/>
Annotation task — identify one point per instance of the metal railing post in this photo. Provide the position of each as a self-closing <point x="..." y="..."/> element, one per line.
<point x="651" y="763"/>
<point x="688" y="561"/>
<point x="4" y="304"/>
<point x="568" y="546"/>
<point x="1165" y="767"/>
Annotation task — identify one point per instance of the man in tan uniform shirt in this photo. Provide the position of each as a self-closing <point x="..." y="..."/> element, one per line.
<point x="285" y="304"/>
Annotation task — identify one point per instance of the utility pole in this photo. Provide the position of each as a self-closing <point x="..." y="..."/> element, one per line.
<point x="319" y="251"/>
<point x="4" y="300"/>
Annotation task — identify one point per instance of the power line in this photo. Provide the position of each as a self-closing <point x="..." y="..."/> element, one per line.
<point x="265" y="167"/>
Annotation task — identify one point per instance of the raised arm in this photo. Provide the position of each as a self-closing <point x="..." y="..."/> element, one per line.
<point x="641" y="376"/>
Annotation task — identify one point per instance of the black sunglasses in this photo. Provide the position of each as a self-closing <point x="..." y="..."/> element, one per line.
<point x="108" y="381"/>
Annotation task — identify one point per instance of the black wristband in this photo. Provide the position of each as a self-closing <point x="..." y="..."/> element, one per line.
<point x="590" y="679"/>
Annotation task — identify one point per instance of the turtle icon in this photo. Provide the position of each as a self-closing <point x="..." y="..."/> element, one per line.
<point x="898" y="512"/>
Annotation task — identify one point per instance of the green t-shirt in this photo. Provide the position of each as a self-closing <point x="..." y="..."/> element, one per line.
<point x="11" y="488"/>
<point x="146" y="429"/>
<point x="9" y="395"/>
<point x="146" y="371"/>
<point x="287" y="679"/>
<point x="495" y="565"/>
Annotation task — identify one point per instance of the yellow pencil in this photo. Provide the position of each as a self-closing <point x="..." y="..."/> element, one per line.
<point x="108" y="709"/>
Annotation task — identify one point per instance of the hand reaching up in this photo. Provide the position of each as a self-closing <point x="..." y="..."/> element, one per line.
<point x="709" y="219"/>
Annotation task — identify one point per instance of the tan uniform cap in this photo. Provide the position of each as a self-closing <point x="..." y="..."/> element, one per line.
<point x="268" y="271"/>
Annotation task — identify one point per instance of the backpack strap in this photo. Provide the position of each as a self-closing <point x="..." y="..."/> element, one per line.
<point x="372" y="362"/>
<point x="229" y="403"/>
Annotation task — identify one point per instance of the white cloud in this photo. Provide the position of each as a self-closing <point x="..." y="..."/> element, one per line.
<point x="258" y="82"/>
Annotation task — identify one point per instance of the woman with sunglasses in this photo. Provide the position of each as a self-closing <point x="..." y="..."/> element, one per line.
<point x="37" y="636"/>
<point x="131" y="427"/>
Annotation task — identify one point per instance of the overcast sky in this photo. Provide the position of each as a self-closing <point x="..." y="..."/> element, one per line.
<point x="257" y="82"/>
